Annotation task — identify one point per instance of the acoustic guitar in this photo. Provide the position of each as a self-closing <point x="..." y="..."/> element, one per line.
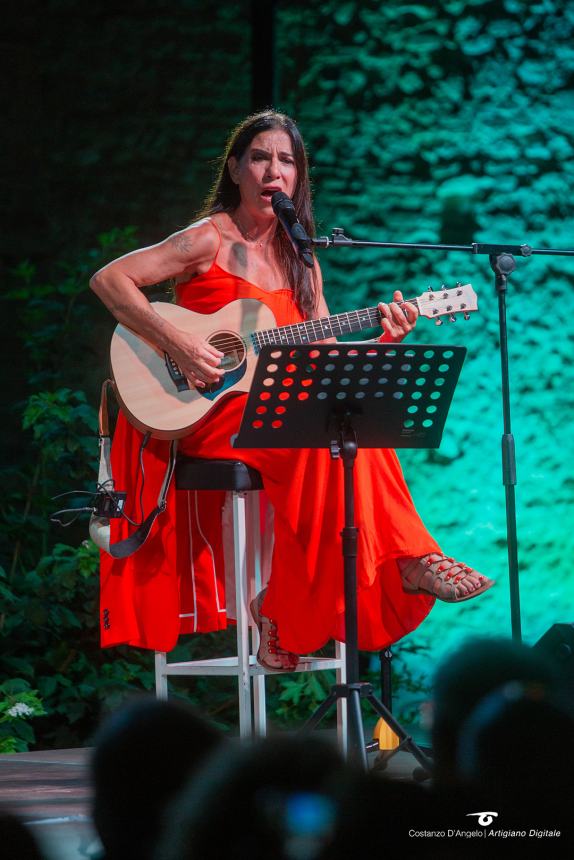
<point x="157" y="398"/>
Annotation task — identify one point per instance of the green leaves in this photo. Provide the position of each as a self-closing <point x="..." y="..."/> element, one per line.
<point x="305" y="689"/>
<point x="60" y="422"/>
<point x="19" y="704"/>
<point x="49" y="638"/>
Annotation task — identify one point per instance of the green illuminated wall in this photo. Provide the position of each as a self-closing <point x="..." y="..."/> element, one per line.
<point x="454" y="122"/>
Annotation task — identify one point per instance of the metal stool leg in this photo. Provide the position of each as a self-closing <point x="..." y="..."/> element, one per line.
<point x="160" y="675"/>
<point x="254" y="578"/>
<point x="341" y="676"/>
<point x="243" y="675"/>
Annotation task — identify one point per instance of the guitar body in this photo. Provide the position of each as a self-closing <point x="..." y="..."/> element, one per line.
<point x="157" y="398"/>
<point x="154" y="397"/>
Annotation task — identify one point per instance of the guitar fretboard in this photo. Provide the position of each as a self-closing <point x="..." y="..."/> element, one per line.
<point x="311" y="331"/>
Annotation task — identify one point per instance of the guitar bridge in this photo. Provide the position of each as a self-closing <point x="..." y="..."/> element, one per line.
<point x="177" y="377"/>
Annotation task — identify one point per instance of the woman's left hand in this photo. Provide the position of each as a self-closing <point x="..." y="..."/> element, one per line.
<point x="397" y="320"/>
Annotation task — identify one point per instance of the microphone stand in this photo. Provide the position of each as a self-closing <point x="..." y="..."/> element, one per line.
<point x="502" y="262"/>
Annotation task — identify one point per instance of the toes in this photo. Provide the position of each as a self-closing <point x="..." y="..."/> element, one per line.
<point x="470" y="584"/>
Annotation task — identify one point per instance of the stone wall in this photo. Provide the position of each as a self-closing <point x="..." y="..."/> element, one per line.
<point x="453" y="122"/>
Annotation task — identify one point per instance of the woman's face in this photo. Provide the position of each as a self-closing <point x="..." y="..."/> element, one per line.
<point x="266" y="166"/>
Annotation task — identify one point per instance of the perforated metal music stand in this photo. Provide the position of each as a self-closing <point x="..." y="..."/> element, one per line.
<point x="344" y="396"/>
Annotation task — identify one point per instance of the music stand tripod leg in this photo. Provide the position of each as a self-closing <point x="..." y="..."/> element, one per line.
<point x="354" y="689"/>
<point x="406" y="741"/>
<point x="321" y="711"/>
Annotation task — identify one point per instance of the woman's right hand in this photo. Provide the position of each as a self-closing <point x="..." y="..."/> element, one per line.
<point x="198" y="360"/>
<point x="118" y="286"/>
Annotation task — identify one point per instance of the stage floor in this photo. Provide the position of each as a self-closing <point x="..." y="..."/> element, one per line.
<point x="51" y="792"/>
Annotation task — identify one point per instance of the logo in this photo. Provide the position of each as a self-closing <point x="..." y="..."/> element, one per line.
<point x="484" y="818"/>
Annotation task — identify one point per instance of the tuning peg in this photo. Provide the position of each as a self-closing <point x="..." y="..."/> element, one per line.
<point x="452" y="318"/>
<point x="438" y="322"/>
<point x="466" y="315"/>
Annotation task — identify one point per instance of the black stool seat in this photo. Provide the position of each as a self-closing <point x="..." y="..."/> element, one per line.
<point x="197" y="473"/>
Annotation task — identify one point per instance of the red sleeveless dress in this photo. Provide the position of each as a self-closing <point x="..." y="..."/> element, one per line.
<point x="176" y="583"/>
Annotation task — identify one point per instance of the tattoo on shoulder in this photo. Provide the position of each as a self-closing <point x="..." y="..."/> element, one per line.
<point x="182" y="242"/>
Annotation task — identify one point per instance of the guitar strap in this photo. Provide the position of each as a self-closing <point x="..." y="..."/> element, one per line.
<point x="110" y="503"/>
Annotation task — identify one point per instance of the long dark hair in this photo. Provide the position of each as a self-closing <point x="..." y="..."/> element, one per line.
<point x="225" y="197"/>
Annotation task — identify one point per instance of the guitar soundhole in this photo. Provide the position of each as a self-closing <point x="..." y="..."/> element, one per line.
<point x="232" y="345"/>
<point x="234" y="351"/>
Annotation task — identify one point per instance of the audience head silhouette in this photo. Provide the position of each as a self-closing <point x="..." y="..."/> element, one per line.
<point x="504" y="748"/>
<point x="143" y="755"/>
<point x="16" y="840"/>
<point x="277" y="798"/>
<point x="465" y="678"/>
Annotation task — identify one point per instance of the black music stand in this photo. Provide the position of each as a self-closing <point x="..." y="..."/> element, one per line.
<point x="342" y="396"/>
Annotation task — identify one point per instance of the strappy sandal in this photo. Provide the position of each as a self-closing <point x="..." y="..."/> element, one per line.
<point x="441" y="577"/>
<point x="270" y="655"/>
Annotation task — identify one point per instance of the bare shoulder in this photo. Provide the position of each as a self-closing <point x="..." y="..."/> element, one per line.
<point x="182" y="254"/>
<point x="197" y="243"/>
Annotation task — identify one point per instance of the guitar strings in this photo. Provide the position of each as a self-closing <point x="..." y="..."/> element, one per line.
<point x="236" y="339"/>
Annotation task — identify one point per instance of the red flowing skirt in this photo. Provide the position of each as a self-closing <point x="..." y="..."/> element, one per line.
<point x="176" y="582"/>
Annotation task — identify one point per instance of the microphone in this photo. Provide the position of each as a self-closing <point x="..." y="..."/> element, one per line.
<point x="285" y="212"/>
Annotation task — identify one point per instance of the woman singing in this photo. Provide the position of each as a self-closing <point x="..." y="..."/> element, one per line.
<point x="174" y="583"/>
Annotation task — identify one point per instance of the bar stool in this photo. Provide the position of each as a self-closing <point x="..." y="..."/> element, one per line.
<point x="243" y="483"/>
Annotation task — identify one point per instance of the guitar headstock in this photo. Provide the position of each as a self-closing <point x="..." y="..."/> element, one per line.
<point x="460" y="299"/>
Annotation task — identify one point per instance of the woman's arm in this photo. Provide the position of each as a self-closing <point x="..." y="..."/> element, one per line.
<point x="119" y="284"/>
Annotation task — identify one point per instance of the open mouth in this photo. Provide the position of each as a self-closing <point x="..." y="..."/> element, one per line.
<point x="268" y="193"/>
